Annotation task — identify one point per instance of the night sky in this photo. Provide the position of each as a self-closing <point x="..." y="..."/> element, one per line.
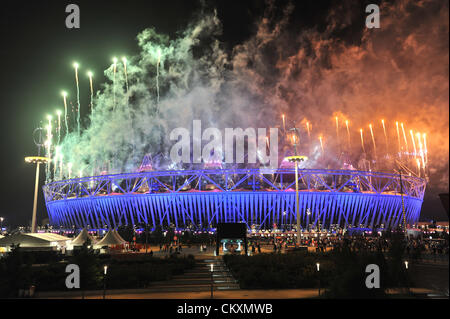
<point x="37" y="52"/>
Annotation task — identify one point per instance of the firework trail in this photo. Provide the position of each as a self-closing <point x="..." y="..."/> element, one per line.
<point x="414" y="142"/>
<point x="157" y="75"/>
<point x="362" y="139"/>
<point x="60" y="166"/>
<point x="58" y="112"/>
<point x="124" y="61"/>
<point x="267" y="142"/>
<point x="57" y="150"/>
<point x="337" y="132"/>
<point x="385" y="136"/>
<point x="49" y="145"/>
<point x="425" y="148"/>
<point x="348" y="135"/>
<point x="321" y="144"/>
<point x="90" y="75"/>
<point x="398" y="138"/>
<point x="308" y="130"/>
<point x="64" y="94"/>
<point x="114" y="81"/>
<point x="418" y="166"/>
<point x="75" y="65"/>
<point x="69" y="169"/>
<point x="373" y="139"/>
<point x="421" y="149"/>
<point x="284" y="123"/>
<point x="404" y="137"/>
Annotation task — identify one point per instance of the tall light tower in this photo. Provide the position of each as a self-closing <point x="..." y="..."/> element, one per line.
<point x="296" y="159"/>
<point x="38" y="160"/>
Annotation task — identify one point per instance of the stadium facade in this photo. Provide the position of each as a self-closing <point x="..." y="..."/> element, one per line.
<point x="261" y="198"/>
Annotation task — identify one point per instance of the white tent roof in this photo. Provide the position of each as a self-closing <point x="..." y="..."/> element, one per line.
<point x="111" y="238"/>
<point x="116" y="233"/>
<point x="82" y="237"/>
<point x="32" y="239"/>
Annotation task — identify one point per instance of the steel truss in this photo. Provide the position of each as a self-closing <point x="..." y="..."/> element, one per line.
<point x="262" y="197"/>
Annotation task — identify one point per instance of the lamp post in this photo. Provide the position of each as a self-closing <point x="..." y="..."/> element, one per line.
<point x="318" y="271"/>
<point x="105" y="270"/>
<point x="212" y="280"/>
<point x="407" y="281"/>
<point x="296" y="159"/>
<point x="38" y="160"/>
<point x="403" y="206"/>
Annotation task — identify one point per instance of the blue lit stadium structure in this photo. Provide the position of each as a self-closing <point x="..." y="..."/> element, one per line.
<point x="261" y="197"/>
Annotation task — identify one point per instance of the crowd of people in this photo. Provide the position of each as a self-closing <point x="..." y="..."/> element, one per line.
<point x="414" y="247"/>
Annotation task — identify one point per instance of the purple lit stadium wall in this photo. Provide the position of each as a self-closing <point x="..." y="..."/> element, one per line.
<point x="262" y="197"/>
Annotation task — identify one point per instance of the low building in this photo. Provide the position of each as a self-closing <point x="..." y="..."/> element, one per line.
<point x="34" y="241"/>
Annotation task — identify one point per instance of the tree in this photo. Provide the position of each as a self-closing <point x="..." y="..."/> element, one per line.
<point x="90" y="268"/>
<point x="15" y="273"/>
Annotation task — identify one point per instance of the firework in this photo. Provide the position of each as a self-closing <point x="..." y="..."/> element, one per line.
<point x="348" y="134"/>
<point x="419" y="139"/>
<point x="321" y="143"/>
<point x="157" y="75"/>
<point x="413" y="141"/>
<point x="284" y="122"/>
<point x="385" y="136"/>
<point x="425" y="147"/>
<point x="362" y="139"/>
<point x="418" y="166"/>
<point x="58" y="112"/>
<point x="308" y="130"/>
<point x="114" y="81"/>
<point x="60" y="166"/>
<point x="90" y="75"/>
<point x="64" y="94"/>
<point x="337" y="129"/>
<point x="48" y="143"/>
<point x="124" y="61"/>
<point x="404" y="137"/>
<point x="75" y="65"/>
<point x="69" y="169"/>
<point x="398" y="138"/>
<point x="267" y="142"/>
<point x="373" y="139"/>
<point x="57" y="151"/>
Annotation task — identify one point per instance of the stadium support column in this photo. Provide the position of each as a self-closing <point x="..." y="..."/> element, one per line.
<point x="36" y="160"/>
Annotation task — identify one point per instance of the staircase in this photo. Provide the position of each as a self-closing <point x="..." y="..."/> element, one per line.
<point x="199" y="278"/>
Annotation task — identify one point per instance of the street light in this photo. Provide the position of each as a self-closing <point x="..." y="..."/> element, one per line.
<point x="318" y="271"/>
<point x="38" y="160"/>
<point x="1" y="224"/>
<point x="296" y="159"/>
<point x="407" y="281"/>
<point x="105" y="270"/>
<point x="212" y="281"/>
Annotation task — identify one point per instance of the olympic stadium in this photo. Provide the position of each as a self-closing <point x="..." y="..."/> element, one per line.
<point x="260" y="198"/>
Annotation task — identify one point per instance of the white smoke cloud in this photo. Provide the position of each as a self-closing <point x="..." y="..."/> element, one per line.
<point x="398" y="72"/>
